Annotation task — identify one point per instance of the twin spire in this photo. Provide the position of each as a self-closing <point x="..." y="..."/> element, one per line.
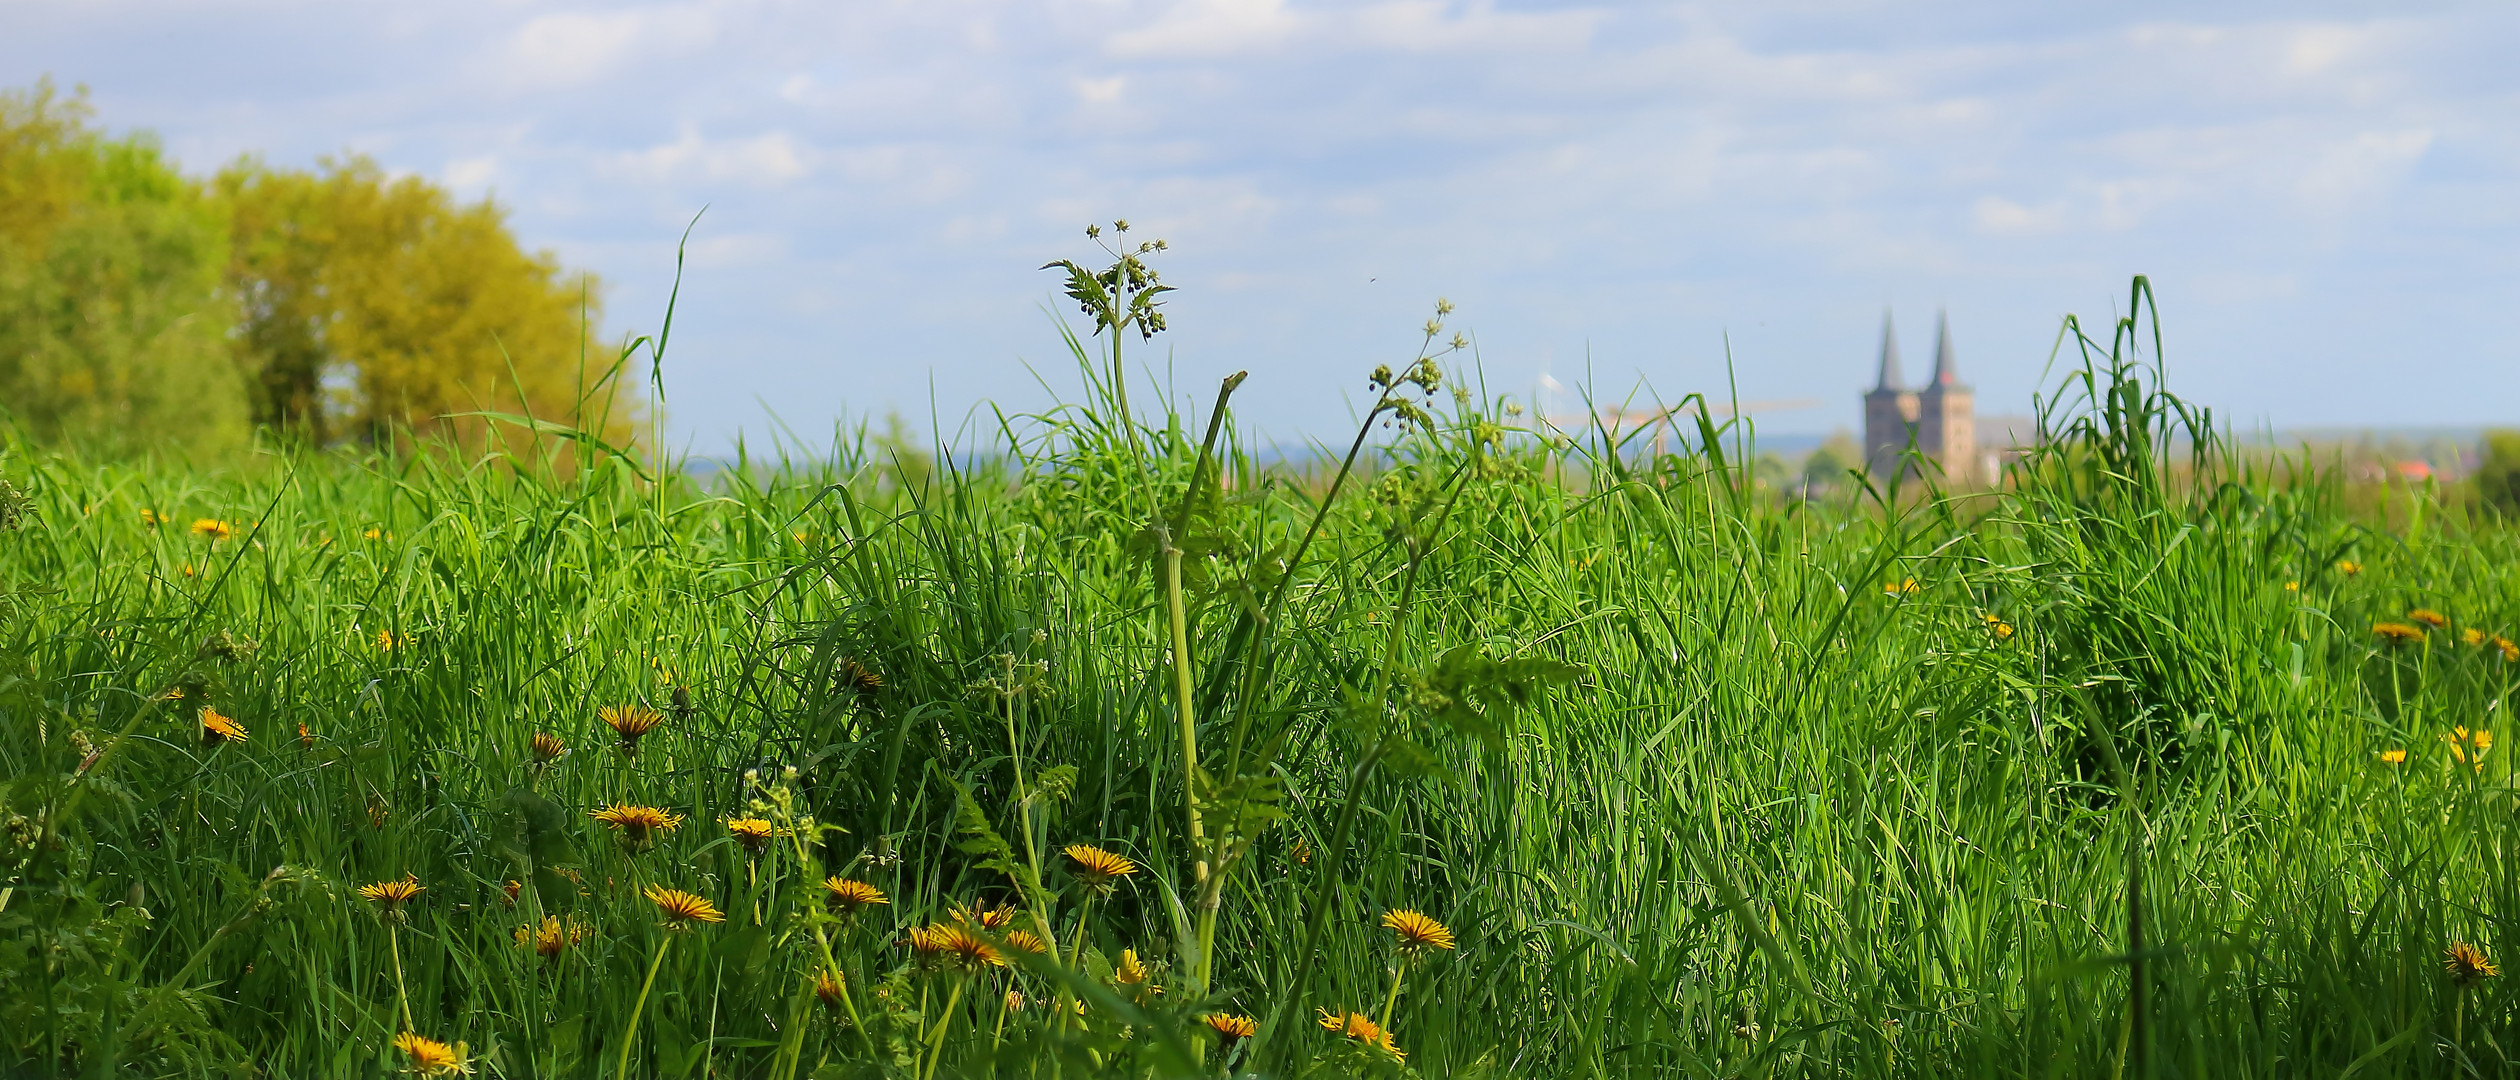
<point x="1946" y="367"/>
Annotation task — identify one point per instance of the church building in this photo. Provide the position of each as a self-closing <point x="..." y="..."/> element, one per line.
<point x="1940" y="419"/>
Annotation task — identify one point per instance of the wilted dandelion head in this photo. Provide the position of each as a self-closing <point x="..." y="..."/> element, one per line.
<point x="430" y="1057"/>
<point x="631" y="722"/>
<point x="677" y="909"/>
<point x="1099" y="869"/>
<point x="638" y="825"/>
<point x="848" y="896"/>
<point x="859" y="679"/>
<point x="1230" y="1026"/>
<point x="2467" y="964"/>
<point x="216" y="729"/>
<point x="753" y="833"/>
<point x="1417" y="933"/>
<point x="2428" y="617"/>
<point x="547" y="747"/>
<point x="2397" y="631"/>
<point x="390" y="896"/>
<point x="213" y="528"/>
<point x="2469" y="747"/>
<point x="1357" y="1026"/>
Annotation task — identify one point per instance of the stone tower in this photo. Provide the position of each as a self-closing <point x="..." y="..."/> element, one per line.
<point x="1946" y="415"/>
<point x="1891" y="410"/>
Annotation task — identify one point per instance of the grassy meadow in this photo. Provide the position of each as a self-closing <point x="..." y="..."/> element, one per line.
<point x="1490" y="755"/>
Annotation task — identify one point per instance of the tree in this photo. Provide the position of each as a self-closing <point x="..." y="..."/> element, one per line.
<point x="112" y="328"/>
<point x="372" y="304"/>
<point x="2498" y="474"/>
<point x="1826" y="467"/>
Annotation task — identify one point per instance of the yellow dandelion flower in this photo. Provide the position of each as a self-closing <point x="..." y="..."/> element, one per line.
<point x="1998" y="627"/>
<point x="547" y="747"/>
<point x="2428" y="617"/>
<point x="550" y="939"/>
<point x="2348" y="567"/>
<point x="149" y="517"/>
<point x="1025" y="941"/>
<point x="1417" y="932"/>
<point x="391" y="895"/>
<point x="2393" y="757"/>
<point x="430" y="1057"/>
<point x="679" y="909"/>
<point x="386" y="641"/>
<point x="1097" y="869"/>
<point x="2396" y="631"/>
<point x="2467" y="964"/>
<point x="753" y="833"/>
<point x="213" y="528"/>
<point x="2471" y="636"/>
<point x="216" y="729"/>
<point x="1131" y="970"/>
<point x="996" y="918"/>
<point x="631" y="722"/>
<point x="2292" y="586"/>
<point x="638" y="825"/>
<point x="1358" y="1027"/>
<point x="848" y="896"/>
<point x="1902" y="587"/>
<point x="2469" y="747"/>
<point x="1230" y="1026"/>
<point x="2510" y="651"/>
<point x="829" y="989"/>
<point x="957" y="944"/>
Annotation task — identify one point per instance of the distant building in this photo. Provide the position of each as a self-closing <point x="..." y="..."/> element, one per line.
<point x="1941" y="419"/>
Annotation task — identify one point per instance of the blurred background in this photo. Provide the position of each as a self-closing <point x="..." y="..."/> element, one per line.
<point x="1649" y="198"/>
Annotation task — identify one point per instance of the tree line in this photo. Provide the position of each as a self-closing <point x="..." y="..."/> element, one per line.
<point x="142" y="309"/>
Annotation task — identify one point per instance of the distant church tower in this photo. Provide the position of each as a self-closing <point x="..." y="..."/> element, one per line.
<point x="1890" y="410"/>
<point x="1942" y="418"/>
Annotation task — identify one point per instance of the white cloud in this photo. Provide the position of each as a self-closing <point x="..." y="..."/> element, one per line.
<point x="473" y="173"/>
<point x="1101" y="91"/>
<point x="580" y="47"/>
<point x="770" y="159"/>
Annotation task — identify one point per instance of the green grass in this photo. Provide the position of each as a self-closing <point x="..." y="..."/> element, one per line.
<point x="1787" y="822"/>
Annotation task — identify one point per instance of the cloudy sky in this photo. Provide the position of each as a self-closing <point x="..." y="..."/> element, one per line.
<point x="2327" y="195"/>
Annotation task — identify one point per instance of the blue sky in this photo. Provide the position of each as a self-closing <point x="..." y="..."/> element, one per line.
<point x="2327" y="195"/>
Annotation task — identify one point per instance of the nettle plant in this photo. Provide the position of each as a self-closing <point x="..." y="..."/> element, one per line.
<point x="1213" y="556"/>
